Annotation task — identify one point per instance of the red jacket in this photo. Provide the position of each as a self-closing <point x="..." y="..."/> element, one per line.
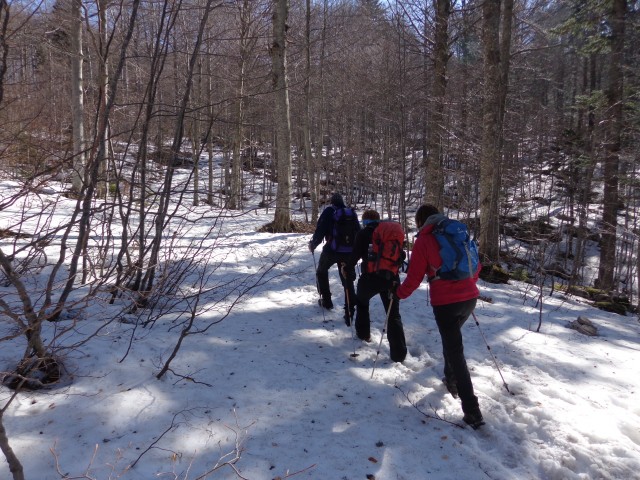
<point x="425" y="260"/>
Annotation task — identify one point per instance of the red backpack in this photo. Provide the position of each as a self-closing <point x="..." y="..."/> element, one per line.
<point x="385" y="251"/>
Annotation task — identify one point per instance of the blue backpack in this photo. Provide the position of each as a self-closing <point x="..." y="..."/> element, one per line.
<point x="458" y="251"/>
<point x="345" y="227"/>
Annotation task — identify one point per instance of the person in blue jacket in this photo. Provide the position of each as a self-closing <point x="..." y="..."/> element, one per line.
<point x="335" y="251"/>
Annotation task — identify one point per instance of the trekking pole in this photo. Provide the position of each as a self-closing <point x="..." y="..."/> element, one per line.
<point x="353" y="339"/>
<point x="495" y="361"/>
<point x="384" y="329"/>
<point x="315" y="266"/>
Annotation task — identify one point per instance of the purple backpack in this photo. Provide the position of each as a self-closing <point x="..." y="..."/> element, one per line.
<point x="345" y="227"/>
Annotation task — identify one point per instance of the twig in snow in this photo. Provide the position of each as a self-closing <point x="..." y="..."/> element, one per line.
<point x="289" y="475"/>
<point x="435" y="416"/>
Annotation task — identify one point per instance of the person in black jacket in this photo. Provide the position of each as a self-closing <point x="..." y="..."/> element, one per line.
<point x="371" y="284"/>
<point x="332" y="254"/>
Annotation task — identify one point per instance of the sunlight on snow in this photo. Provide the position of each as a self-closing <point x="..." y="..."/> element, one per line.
<point x="341" y="427"/>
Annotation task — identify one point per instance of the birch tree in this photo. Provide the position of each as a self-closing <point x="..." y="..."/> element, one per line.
<point x="77" y="93"/>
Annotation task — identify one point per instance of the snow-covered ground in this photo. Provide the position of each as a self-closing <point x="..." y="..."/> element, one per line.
<point x="274" y="388"/>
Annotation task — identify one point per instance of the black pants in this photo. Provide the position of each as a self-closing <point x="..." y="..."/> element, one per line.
<point x="369" y="285"/>
<point x="328" y="259"/>
<point x="450" y="319"/>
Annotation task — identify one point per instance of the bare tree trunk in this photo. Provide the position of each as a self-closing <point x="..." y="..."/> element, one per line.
<point x="15" y="467"/>
<point x="282" y="216"/>
<point x="236" y="158"/>
<point x="98" y="155"/>
<point x="402" y="188"/>
<point x="306" y="126"/>
<point x="152" y="94"/>
<point x="33" y="329"/>
<point x="197" y="138"/>
<point x="491" y="155"/>
<point x="225" y="180"/>
<point x="235" y="196"/>
<point x="77" y="95"/>
<point x="103" y="79"/>
<point x="638" y="277"/>
<point x="210" y="163"/>
<point x="612" y="147"/>
<point x="437" y="136"/>
<point x="585" y="174"/>
<point x="163" y="209"/>
<point x="505" y="56"/>
<point x="4" y="44"/>
<point x="320" y="162"/>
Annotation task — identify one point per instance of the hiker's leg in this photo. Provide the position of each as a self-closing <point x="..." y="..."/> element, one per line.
<point x="346" y="283"/>
<point x="449" y="318"/>
<point x="322" y="274"/>
<point x="363" y="295"/>
<point x="395" y="330"/>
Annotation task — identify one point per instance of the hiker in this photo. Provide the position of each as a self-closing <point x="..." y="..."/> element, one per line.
<point x="372" y="282"/>
<point x="338" y="226"/>
<point x="453" y="302"/>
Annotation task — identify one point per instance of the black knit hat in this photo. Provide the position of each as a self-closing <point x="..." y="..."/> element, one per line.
<point x="336" y="199"/>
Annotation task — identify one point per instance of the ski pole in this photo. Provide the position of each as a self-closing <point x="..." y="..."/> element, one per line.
<point x="495" y="361"/>
<point x="315" y="266"/>
<point x="384" y="329"/>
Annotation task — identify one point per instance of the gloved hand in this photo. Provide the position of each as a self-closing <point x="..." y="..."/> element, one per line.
<point x="404" y="264"/>
<point x="404" y="267"/>
<point x="312" y="247"/>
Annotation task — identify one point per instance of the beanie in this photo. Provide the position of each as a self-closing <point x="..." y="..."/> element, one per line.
<point x="336" y="200"/>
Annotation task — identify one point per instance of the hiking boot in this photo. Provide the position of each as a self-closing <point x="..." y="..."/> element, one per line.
<point x="451" y="387"/>
<point x="399" y="359"/>
<point x="365" y="339"/>
<point x="473" y="419"/>
<point x="325" y="302"/>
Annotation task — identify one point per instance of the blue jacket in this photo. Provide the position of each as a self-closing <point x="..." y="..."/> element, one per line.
<point x="324" y="228"/>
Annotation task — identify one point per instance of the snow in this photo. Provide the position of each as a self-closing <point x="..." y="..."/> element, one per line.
<point x="273" y="386"/>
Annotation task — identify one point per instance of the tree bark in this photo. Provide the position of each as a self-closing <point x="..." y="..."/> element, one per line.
<point x="306" y="126"/>
<point x="434" y="192"/>
<point x="282" y="216"/>
<point x="584" y="175"/>
<point x="491" y="134"/>
<point x="15" y="467"/>
<point x="103" y="87"/>
<point x="77" y="95"/>
<point x="610" y="200"/>
<point x="197" y="138"/>
<point x="5" y="14"/>
<point x="235" y="196"/>
<point x="34" y="329"/>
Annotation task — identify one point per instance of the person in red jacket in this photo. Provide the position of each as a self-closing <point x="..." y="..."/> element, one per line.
<point x="453" y="302"/>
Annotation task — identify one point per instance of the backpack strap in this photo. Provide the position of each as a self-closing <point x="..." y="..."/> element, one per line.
<point x="422" y="231"/>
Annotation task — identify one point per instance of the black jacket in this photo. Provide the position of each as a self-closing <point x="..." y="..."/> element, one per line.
<point x="324" y="228"/>
<point x="361" y="247"/>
